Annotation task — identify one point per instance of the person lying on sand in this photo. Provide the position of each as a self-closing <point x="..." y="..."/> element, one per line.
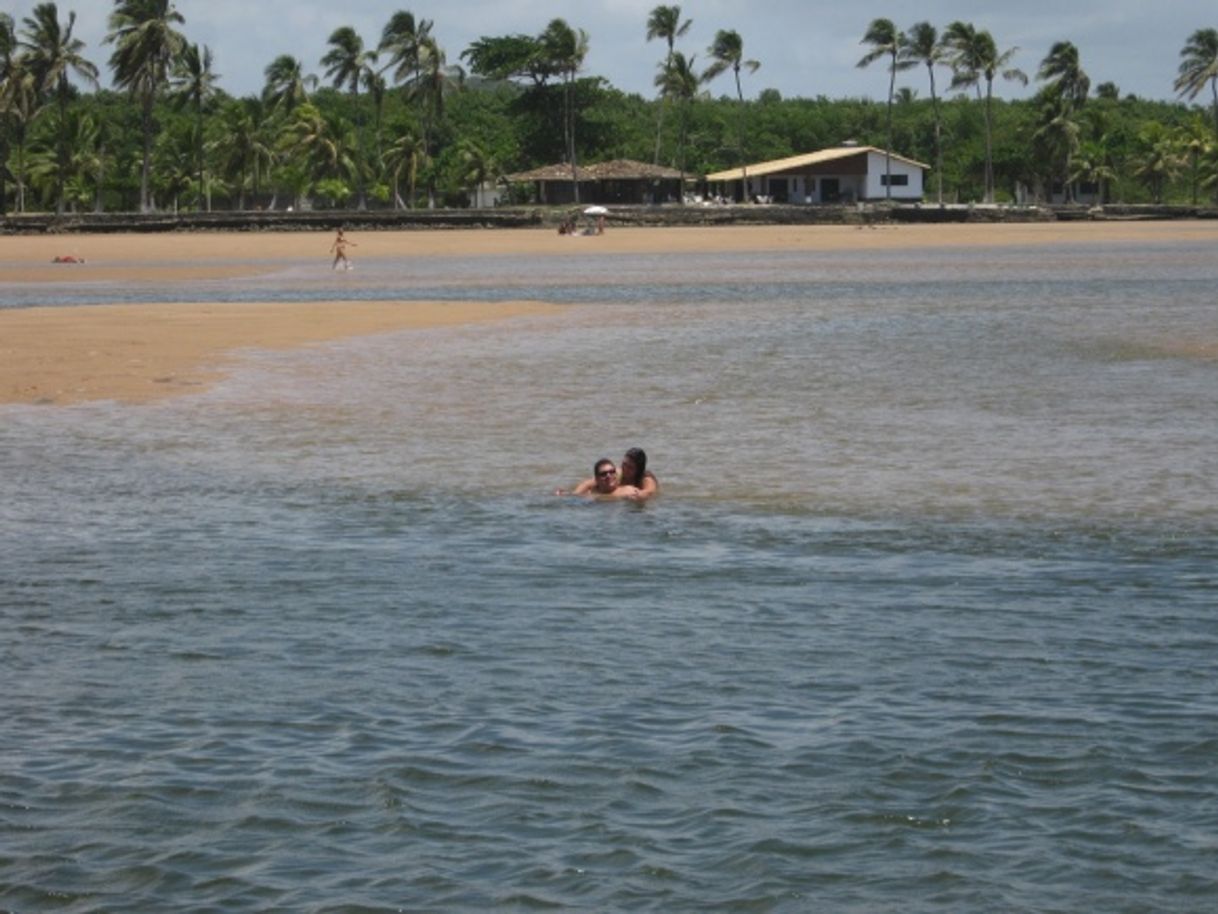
<point x="67" y="258"/>
<point x="603" y="485"/>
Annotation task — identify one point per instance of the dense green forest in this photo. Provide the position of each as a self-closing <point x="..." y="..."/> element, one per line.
<point x="395" y="123"/>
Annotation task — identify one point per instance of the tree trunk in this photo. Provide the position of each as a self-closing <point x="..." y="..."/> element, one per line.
<point x="892" y="85"/>
<point x="934" y="99"/>
<point x="199" y="152"/>
<point x="571" y="135"/>
<point x="101" y="178"/>
<point x="660" y="127"/>
<point x="145" y="168"/>
<point x="663" y="105"/>
<point x="989" y="144"/>
<point x="61" y="152"/>
<point x="1214" y="87"/>
<point x="744" y="167"/>
<point x="21" y="176"/>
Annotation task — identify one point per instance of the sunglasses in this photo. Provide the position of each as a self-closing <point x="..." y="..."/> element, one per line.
<point x="601" y="473"/>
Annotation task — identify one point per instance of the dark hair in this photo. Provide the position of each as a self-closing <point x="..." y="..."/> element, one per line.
<point x="600" y="463"/>
<point x="636" y="456"/>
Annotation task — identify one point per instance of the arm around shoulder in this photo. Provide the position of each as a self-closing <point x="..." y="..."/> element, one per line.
<point x="650" y="486"/>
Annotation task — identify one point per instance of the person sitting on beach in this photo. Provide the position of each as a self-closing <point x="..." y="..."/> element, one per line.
<point x="634" y="473"/>
<point x="339" y="247"/>
<point x="603" y="485"/>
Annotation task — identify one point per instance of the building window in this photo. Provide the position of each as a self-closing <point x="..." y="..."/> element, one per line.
<point x="897" y="180"/>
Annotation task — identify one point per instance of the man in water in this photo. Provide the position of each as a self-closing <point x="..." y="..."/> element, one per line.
<point x="604" y="484"/>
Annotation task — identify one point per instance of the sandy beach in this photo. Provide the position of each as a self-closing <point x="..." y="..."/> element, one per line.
<point x="140" y="352"/>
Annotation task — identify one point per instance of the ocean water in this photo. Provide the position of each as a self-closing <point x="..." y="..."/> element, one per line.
<point x="926" y="617"/>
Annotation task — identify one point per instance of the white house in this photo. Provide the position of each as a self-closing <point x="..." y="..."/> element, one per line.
<point x="845" y="174"/>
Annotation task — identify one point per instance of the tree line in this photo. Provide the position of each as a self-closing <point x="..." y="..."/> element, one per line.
<point x="394" y="123"/>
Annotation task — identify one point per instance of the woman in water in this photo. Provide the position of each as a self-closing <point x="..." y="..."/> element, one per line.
<point x="634" y="472"/>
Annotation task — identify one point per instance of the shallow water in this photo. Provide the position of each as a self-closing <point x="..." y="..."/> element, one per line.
<point x="924" y="619"/>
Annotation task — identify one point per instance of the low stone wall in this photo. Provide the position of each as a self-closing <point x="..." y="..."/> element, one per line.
<point x="255" y="221"/>
<point x="550" y="217"/>
<point x="1153" y="212"/>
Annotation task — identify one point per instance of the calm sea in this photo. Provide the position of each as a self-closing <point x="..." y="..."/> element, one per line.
<point x="926" y="617"/>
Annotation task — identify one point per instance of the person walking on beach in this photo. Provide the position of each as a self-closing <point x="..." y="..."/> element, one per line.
<point x="339" y="247"/>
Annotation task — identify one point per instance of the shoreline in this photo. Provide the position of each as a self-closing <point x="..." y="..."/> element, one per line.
<point x="136" y="353"/>
<point x="549" y="216"/>
<point x="185" y="256"/>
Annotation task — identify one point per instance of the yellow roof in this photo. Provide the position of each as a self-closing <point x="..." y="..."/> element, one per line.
<point x="802" y="161"/>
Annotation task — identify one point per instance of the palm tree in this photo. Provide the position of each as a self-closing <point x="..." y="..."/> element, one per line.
<point x="321" y="143"/>
<point x="286" y="83"/>
<point x="73" y="178"/>
<point x="262" y="144"/>
<point x="974" y="56"/>
<point x="241" y="151"/>
<point x="678" y="79"/>
<point x="1194" y="140"/>
<point x="145" y="47"/>
<point x="922" y="45"/>
<point x="728" y="53"/>
<point x="409" y="45"/>
<point x="476" y="167"/>
<point x="174" y="154"/>
<point x="347" y="64"/>
<point x="1061" y="68"/>
<point x="1057" y="139"/>
<point x="232" y="149"/>
<point x="1200" y="66"/>
<point x="565" y="49"/>
<point x="8" y="48"/>
<point x="436" y="81"/>
<point x="1069" y="85"/>
<point x="886" y="40"/>
<point x="19" y="105"/>
<point x="1158" y="160"/>
<point x="404" y="155"/>
<point x="375" y="86"/>
<point x="1209" y="169"/>
<point x="51" y="54"/>
<point x="1093" y="165"/>
<point x="402" y="39"/>
<point x="194" y="84"/>
<point x="665" y="22"/>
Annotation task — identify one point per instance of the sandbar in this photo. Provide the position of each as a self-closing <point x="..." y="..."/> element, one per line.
<point x="135" y="353"/>
<point x="140" y="353"/>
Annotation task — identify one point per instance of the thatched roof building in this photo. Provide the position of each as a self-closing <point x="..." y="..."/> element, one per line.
<point x="616" y="181"/>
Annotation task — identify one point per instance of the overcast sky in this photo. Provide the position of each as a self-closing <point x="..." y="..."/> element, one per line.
<point x="806" y="47"/>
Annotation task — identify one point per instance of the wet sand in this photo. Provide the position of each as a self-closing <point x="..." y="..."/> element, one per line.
<point x="137" y="353"/>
